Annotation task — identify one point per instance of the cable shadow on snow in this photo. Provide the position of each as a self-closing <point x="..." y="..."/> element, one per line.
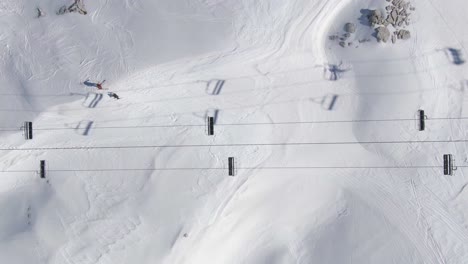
<point x="299" y="85"/>
<point x="327" y="102"/>
<point x="331" y="72"/>
<point x="334" y="73"/>
<point x="304" y="69"/>
<point x="226" y="78"/>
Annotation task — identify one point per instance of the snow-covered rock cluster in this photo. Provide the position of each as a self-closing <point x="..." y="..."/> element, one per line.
<point x="388" y="25"/>
<point x="350" y="27"/>
<point x="398" y="15"/>
<point x="343" y="40"/>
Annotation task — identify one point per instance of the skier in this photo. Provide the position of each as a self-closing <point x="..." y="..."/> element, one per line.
<point x="113" y="95"/>
<point x="99" y="85"/>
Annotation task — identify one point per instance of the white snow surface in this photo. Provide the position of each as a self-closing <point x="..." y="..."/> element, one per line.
<point x="164" y="58"/>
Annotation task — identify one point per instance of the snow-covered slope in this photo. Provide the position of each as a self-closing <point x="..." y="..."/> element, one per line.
<point x="137" y="180"/>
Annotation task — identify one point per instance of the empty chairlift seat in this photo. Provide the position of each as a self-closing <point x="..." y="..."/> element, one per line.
<point x="422" y="120"/>
<point x="231" y="168"/>
<point x="448" y="164"/>
<point x="42" y="169"/>
<point x="210" y="125"/>
<point x="28" y="130"/>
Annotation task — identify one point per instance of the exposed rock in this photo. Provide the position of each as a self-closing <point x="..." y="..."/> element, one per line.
<point x="77" y="7"/>
<point x="346" y="35"/>
<point x="342" y="44"/>
<point x="377" y="13"/>
<point x="375" y="17"/>
<point x="400" y="5"/>
<point x="62" y="10"/>
<point x="390" y="20"/>
<point x="40" y="12"/>
<point x="382" y="34"/>
<point x="394" y="15"/>
<point x="404" y="34"/>
<point x="400" y="21"/>
<point x="350" y="27"/>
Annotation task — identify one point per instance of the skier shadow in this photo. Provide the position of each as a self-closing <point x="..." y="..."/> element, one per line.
<point x="90" y="84"/>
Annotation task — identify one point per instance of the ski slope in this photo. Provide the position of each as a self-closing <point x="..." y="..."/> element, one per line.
<point x="328" y="171"/>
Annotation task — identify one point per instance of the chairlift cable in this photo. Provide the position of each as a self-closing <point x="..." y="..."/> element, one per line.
<point x="9" y="129"/>
<point x="225" y="168"/>
<point x="238" y="145"/>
